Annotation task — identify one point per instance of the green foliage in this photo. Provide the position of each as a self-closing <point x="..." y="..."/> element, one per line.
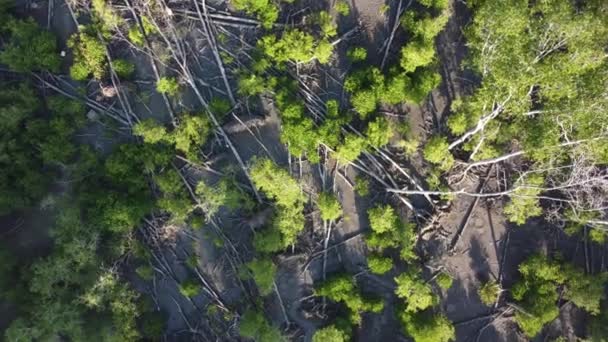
<point x="5" y="7"/>
<point x="597" y="329"/>
<point x="8" y="273"/>
<point x="136" y="36"/>
<point x="423" y="82"/>
<point x="105" y="16"/>
<point x="362" y="186"/>
<point x="69" y="286"/>
<point x="190" y="288"/>
<point x="409" y="146"/>
<point x="524" y="202"/>
<point x="146" y="272"/>
<point x="428" y="327"/>
<point x="399" y="88"/>
<point x="89" y="55"/>
<point x="326" y="23"/>
<point x="264" y="272"/>
<point x="417" y="54"/>
<point x="365" y="87"/>
<point x="279" y="186"/>
<point x="54" y="137"/>
<point x="265" y="10"/>
<point x="350" y="150"/>
<point x="268" y="240"/>
<point x="110" y="294"/>
<point x="226" y="193"/>
<point x="253" y="325"/>
<point x="383" y="219"/>
<point x="251" y="84"/>
<point x="29" y="48"/>
<point x="152" y="325"/>
<point x="341" y="288"/>
<point x="330" y="334"/>
<point x="123" y="68"/>
<point x="150" y="131"/>
<point x="329" y="206"/>
<point x="191" y="132"/>
<point x="295" y="45"/>
<point x="356" y="54"/>
<point x="558" y="46"/>
<point x="177" y="205"/>
<point x="342" y="7"/>
<point x="127" y="197"/>
<point x="488" y="292"/>
<point x="70" y="295"/>
<point x="444" y="281"/>
<point x="378" y="264"/>
<point x="219" y="106"/>
<point x="379" y="132"/>
<point x="369" y="87"/>
<point x="436" y="151"/>
<point x="417" y="294"/>
<point x="276" y="183"/>
<point x="22" y="180"/>
<point x="52" y="319"/>
<point x="420" y="52"/>
<point x="167" y="85"/>
<point x="388" y="231"/>
<point x="537" y="291"/>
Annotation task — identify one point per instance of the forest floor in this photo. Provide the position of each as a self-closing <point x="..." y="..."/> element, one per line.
<point x="470" y="239"/>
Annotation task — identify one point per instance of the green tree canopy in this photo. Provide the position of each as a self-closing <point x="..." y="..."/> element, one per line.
<point x="29" y="47"/>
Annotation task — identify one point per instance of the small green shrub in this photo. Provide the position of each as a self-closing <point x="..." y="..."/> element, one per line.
<point x="146" y="272"/>
<point x="444" y="281"/>
<point x="428" y="327"/>
<point x="350" y="150"/>
<point x="378" y="264"/>
<point x="362" y="186"/>
<point x="268" y="241"/>
<point x="325" y="21"/>
<point x="417" y="294"/>
<point x="264" y="271"/>
<point x="379" y="132"/>
<point x="330" y="334"/>
<point x="341" y="288"/>
<point x="136" y="36"/>
<point x="265" y="10"/>
<point x="329" y="206"/>
<point x="436" y="151"/>
<point x="254" y="325"/>
<point x="123" y="68"/>
<point x="342" y="7"/>
<point x="356" y="54"/>
<point x="190" y="288"/>
<point x="150" y="131"/>
<point x="388" y="231"/>
<point x="278" y="185"/>
<point x="488" y="292"/>
<point x="167" y="85"/>
<point x="524" y="203"/>
<point x="191" y="132"/>
<point x="296" y="45"/>
<point x="152" y="325"/>
<point x="226" y="193"/>
<point x="89" y="55"/>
